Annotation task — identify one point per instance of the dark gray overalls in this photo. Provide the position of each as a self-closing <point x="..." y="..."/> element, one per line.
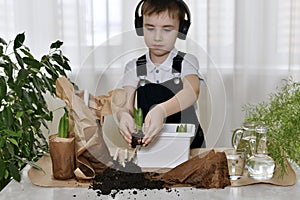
<point x="150" y="94"/>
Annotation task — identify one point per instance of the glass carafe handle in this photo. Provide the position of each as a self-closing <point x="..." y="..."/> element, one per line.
<point x="252" y="143"/>
<point x="236" y="137"/>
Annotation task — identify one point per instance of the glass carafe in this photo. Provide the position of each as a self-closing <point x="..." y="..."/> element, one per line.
<point x="241" y="137"/>
<point x="260" y="165"/>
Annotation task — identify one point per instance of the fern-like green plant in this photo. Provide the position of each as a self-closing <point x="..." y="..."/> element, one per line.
<point x="281" y="113"/>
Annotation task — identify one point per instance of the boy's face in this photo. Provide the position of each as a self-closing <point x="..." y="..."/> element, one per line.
<point x="160" y="33"/>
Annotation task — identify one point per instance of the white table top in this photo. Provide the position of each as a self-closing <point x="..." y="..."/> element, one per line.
<point x="25" y="190"/>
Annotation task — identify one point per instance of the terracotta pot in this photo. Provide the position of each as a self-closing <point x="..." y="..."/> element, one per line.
<point x="62" y="152"/>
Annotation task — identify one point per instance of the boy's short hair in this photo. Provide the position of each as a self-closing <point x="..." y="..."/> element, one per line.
<point x="173" y="7"/>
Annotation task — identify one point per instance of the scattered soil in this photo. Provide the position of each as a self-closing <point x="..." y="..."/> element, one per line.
<point x="207" y="170"/>
<point x="113" y="180"/>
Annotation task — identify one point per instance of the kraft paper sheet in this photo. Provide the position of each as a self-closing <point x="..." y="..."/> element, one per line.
<point x="40" y="178"/>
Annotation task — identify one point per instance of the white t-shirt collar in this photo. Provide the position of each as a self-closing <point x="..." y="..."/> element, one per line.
<point x="165" y="66"/>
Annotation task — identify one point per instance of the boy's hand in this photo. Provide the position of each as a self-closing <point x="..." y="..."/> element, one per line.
<point x="153" y="124"/>
<point x="126" y="125"/>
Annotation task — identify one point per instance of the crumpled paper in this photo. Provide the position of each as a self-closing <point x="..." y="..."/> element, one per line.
<point x="91" y="152"/>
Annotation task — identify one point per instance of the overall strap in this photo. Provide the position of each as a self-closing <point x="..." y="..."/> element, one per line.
<point x="141" y="69"/>
<point x="177" y="61"/>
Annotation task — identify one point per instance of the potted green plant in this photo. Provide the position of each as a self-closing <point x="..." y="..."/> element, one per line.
<point x="281" y="113"/>
<point x="24" y="81"/>
<point x="62" y="150"/>
<point x="137" y="137"/>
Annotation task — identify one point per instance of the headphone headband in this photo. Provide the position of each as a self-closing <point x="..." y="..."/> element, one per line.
<point x="183" y="26"/>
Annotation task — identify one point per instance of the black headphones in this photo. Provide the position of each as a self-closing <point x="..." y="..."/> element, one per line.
<point x="183" y="26"/>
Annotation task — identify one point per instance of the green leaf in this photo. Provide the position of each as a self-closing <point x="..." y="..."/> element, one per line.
<point x="37" y="85"/>
<point x="6" y="174"/>
<point x="3" y="88"/>
<point x="47" y="83"/>
<point x="20" y="164"/>
<point x="27" y="53"/>
<point x="56" y="45"/>
<point x="35" y="70"/>
<point x="2" y="41"/>
<point x="13" y="134"/>
<point x="60" y="70"/>
<point x="135" y="115"/>
<point x="61" y="127"/>
<point x="13" y="141"/>
<point x="19" y="114"/>
<point x="2" y="169"/>
<point x="19" y="40"/>
<point x="6" y="116"/>
<point x="33" y="95"/>
<point x="138" y="118"/>
<point x="48" y="118"/>
<point x="32" y="62"/>
<point x="29" y="111"/>
<point x="6" y="59"/>
<point x="19" y="59"/>
<point x="66" y="124"/>
<point x="10" y="148"/>
<point x="22" y="75"/>
<point x="58" y="58"/>
<point x="26" y="98"/>
<point x="14" y="172"/>
<point x="50" y="69"/>
<point x="32" y="164"/>
<point x="65" y="65"/>
<point x="2" y="142"/>
<point x="8" y="69"/>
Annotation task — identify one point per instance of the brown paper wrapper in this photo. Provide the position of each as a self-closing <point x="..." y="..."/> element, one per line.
<point x="91" y="152"/>
<point x="63" y="157"/>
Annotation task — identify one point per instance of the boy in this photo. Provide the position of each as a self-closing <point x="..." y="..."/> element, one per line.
<point x="165" y="80"/>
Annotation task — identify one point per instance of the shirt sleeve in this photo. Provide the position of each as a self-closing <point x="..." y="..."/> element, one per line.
<point x="190" y="65"/>
<point x="130" y="78"/>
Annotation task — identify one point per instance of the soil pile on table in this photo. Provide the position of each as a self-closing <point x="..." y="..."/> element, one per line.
<point x="113" y="180"/>
<point x="207" y="170"/>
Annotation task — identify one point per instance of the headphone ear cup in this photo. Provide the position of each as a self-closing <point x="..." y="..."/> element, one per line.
<point x="183" y="29"/>
<point x="138" y="23"/>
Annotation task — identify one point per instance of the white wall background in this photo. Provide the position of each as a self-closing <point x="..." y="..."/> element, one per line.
<point x="245" y="47"/>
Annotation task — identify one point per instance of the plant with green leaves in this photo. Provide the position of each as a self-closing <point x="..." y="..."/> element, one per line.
<point x="138" y="118"/>
<point x="281" y="113"/>
<point x="24" y="81"/>
<point x="137" y="137"/>
<point x="181" y="128"/>
<point x="63" y="127"/>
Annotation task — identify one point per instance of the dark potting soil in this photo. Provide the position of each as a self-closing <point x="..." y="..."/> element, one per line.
<point x="137" y="139"/>
<point x="114" y="180"/>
